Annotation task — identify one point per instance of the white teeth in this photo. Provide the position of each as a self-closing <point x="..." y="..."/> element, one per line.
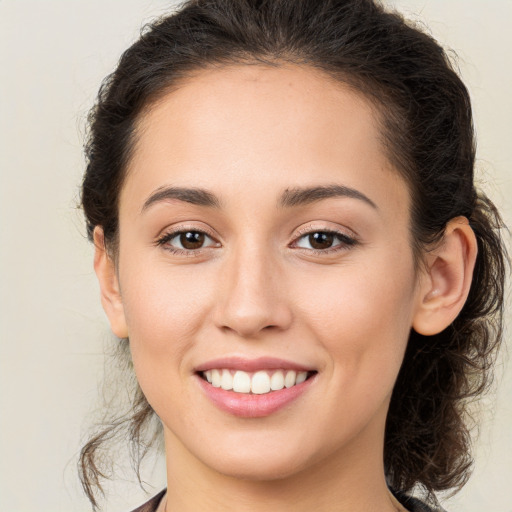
<point x="301" y="377"/>
<point x="260" y="383"/>
<point x="289" y="380"/>
<point x="241" y="382"/>
<point x="216" y="378"/>
<point x="277" y="381"/>
<point x="226" y="380"/>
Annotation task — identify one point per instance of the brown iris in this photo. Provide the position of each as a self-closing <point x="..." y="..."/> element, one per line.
<point x="321" y="240"/>
<point x="192" y="239"/>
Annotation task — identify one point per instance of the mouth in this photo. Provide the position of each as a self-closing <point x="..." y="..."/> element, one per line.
<point x="254" y="388"/>
<point x="260" y="382"/>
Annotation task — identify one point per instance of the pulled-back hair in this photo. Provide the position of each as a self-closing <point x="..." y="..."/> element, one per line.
<point x="426" y="127"/>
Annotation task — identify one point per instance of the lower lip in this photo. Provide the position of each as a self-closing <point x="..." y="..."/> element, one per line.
<point x="254" y="406"/>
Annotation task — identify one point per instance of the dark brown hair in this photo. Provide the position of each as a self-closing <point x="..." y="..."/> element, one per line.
<point x="427" y="131"/>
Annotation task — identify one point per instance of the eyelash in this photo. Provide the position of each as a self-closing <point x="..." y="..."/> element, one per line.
<point x="345" y="241"/>
<point x="167" y="237"/>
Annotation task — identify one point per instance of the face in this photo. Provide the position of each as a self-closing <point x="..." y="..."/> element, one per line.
<point x="264" y="240"/>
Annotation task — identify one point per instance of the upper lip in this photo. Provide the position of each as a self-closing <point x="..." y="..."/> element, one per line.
<point x="252" y="365"/>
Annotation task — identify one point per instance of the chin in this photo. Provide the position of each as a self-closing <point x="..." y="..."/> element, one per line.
<point x="259" y="461"/>
<point x="257" y="469"/>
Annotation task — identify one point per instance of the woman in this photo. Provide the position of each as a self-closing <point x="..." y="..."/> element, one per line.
<point x="289" y="240"/>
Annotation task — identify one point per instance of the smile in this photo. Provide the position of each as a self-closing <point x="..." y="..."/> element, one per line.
<point x="258" y="383"/>
<point x="254" y="388"/>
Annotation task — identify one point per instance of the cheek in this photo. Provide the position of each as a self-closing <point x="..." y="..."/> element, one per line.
<point x="363" y="319"/>
<point x="163" y="314"/>
<point x="162" y="306"/>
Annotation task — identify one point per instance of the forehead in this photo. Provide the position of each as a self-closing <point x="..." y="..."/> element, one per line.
<point x="260" y="128"/>
<point x="244" y="98"/>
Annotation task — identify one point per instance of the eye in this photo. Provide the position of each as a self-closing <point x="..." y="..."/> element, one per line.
<point x="325" y="241"/>
<point x="186" y="241"/>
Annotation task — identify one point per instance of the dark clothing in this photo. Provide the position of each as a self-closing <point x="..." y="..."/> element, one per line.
<point x="411" y="504"/>
<point x="414" y="504"/>
<point x="152" y="504"/>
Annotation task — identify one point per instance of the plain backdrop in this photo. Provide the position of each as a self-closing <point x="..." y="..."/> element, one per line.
<point x="53" y="56"/>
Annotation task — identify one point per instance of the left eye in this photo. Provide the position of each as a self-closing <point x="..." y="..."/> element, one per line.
<point x="323" y="240"/>
<point x="187" y="240"/>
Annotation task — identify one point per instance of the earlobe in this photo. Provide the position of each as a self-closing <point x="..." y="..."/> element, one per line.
<point x="111" y="300"/>
<point x="446" y="282"/>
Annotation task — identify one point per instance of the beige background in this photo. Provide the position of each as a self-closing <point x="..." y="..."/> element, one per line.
<point x="53" y="55"/>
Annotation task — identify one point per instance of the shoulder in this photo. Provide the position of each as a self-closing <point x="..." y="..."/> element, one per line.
<point x="414" y="504"/>
<point x="152" y="504"/>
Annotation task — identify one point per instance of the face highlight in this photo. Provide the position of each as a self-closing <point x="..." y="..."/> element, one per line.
<point x="265" y="269"/>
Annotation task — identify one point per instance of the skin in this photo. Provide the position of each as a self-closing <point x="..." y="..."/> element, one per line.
<point x="247" y="134"/>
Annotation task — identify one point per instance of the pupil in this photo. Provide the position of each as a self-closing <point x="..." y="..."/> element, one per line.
<point x="192" y="239"/>
<point x="321" y="240"/>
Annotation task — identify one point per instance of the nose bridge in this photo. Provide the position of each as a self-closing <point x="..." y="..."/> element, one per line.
<point x="254" y="297"/>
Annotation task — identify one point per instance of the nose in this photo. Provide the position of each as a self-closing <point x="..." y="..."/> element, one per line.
<point x="254" y="295"/>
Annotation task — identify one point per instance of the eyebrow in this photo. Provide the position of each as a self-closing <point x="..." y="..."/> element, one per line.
<point x="307" y="195"/>
<point x="197" y="196"/>
<point x="297" y="196"/>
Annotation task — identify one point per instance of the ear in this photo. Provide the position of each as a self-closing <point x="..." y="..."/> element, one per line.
<point x="111" y="301"/>
<point x="446" y="282"/>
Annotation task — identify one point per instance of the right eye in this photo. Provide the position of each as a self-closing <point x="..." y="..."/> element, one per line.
<point x="186" y="241"/>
